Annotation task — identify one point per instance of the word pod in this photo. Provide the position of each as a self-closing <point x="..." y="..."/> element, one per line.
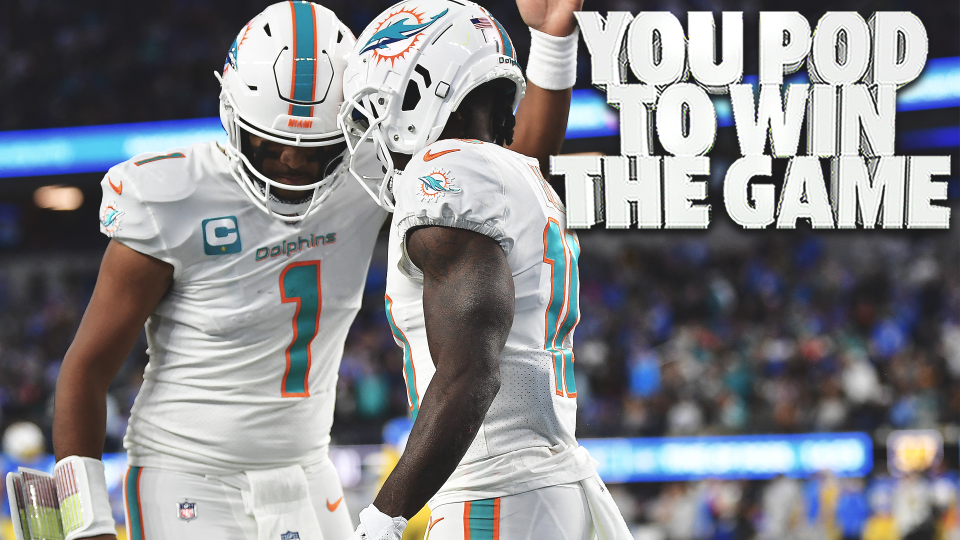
<point x="661" y="80"/>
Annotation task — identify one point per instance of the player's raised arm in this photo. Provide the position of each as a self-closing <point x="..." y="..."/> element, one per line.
<point x="468" y="304"/>
<point x="551" y="72"/>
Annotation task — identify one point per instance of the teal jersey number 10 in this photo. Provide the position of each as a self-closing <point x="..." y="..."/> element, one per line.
<point x="561" y="251"/>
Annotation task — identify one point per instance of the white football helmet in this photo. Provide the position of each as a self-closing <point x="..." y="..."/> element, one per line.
<point x="282" y="81"/>
<point x="411" y="68"/>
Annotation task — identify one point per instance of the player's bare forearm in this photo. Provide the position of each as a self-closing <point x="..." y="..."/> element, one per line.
<point x="450" y="415"/>
<point x="542" y="114"/>
<point x="468" y="304"/>
<point x="541" y="124"/>
<point x="129" y="287"/>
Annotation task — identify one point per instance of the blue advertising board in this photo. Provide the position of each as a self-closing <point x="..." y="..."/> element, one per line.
<point x="735" y="457"/>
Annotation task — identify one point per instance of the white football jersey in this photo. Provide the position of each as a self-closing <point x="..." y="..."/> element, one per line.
<point x="527" y="439"/>
<point x="246" y="345"/>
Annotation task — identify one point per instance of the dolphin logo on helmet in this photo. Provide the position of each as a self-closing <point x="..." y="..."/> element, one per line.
<point x="231" y="60"/>
<point x="398" y="31"/>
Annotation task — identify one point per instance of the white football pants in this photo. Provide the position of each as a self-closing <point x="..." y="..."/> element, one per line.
<point x="162" y="504"/>
<point x="555" y="512"/>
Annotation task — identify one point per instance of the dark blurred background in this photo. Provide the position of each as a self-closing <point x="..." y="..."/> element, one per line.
<point x="719" y="332"/>
<point x="100" y="62"/>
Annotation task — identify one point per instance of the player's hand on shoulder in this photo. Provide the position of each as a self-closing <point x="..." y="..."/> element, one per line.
<point x="554" y="17"/>
<point x="375" y="525"/>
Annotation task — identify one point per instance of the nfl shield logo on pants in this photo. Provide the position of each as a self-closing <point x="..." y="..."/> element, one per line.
<point x="290" y="536"/>
<point x="187" y="510"/>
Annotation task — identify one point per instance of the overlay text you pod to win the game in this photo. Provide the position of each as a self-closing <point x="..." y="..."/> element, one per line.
<point x="855" y="66"/>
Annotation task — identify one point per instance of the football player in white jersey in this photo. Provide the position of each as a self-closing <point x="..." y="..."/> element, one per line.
<point x="482" y="293"/>
<point x="247" y="263"/>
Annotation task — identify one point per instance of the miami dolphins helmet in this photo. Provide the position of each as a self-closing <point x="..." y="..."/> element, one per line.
<point x="282" y="81"/>
<point x="411" y="67"/>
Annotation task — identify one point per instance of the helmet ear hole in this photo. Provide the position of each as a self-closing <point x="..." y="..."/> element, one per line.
<point x="411" y="97"/>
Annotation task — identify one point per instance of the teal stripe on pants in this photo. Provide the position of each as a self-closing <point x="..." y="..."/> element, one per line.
<point x="135" y="524"/>
<point x="481" y="519"/>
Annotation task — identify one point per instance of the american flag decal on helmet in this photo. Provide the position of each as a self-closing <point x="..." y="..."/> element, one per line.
<point x="481" y="23"/>
<point x="507" y="45"/>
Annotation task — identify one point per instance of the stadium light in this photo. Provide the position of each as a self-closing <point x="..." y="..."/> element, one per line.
<point x="63" y="198"/>
<point x="96" y="148"/>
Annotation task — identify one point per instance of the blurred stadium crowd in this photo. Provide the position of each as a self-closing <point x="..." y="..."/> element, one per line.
<point x="679" y="335"/>
<point x="688" y="336"/>
<point x="821" y="508"/>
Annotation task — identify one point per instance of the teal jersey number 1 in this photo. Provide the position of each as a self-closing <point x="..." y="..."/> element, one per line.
<point x="300" y="283"/>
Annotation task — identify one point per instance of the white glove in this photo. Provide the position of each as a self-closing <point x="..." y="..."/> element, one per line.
<point x="375" y="525"/>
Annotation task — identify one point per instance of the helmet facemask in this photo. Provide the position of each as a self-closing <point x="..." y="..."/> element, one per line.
<point x="360" y="123"/>
<point x="247" y="166"/>
<point x="329" y="159"/>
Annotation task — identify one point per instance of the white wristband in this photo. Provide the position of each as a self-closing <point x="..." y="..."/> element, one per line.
<point x="553" y="60"/>
<point x="84" y="502"/>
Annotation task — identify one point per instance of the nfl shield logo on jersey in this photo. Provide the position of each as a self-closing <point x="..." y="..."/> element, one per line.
<point x="290" y="536"/>
<point x="187" y="510"/>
